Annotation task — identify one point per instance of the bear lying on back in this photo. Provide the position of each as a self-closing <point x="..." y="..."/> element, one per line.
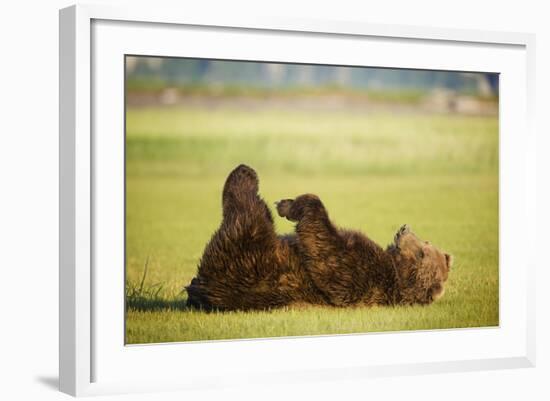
<point x="246" y="265"/>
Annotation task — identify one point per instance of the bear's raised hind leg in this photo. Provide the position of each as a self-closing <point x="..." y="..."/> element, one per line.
<point x="241" y="201"/>
<point x="239" y="256"/>
<point x="243" y="180"/>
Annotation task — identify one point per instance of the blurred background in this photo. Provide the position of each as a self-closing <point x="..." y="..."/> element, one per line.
<point x="169" y="81"/>
<point x="189" y="101"/>
<point x="172" y="81"/>
<point x="381" y="147"/>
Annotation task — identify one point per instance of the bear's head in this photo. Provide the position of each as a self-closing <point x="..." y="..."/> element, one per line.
<point x="422" y="268"/>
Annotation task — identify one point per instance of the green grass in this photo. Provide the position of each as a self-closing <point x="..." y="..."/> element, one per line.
<point x="438" y="174"/>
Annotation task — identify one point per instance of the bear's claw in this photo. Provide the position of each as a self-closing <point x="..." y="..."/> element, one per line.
<point x="405" y="229"/>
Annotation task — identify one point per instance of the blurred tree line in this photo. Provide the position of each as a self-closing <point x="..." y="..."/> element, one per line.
<point x="183" y="71"/>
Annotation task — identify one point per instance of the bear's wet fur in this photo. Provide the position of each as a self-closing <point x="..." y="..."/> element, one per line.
<point x="246" y="265"/>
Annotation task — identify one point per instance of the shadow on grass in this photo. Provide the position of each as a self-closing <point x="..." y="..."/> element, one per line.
<point x="144" y="304"/>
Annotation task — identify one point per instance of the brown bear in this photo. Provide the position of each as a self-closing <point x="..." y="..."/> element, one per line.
<point x="246" y="265"/>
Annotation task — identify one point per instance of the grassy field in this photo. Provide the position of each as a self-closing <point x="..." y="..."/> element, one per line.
<point x="374" y="172"/>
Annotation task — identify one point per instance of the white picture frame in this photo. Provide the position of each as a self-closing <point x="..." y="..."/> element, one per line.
<point x="91" y="363"/>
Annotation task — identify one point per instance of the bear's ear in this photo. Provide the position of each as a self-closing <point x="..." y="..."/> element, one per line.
<point x="449" y="260"/>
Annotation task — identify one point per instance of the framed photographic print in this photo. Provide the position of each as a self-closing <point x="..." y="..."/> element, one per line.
<point x="326" y="191"/>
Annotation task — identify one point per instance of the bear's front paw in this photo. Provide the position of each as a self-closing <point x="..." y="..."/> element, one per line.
<point x="405" y="229"/>
<point x="283" y="207"/>
<point x="296" y="209"/>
